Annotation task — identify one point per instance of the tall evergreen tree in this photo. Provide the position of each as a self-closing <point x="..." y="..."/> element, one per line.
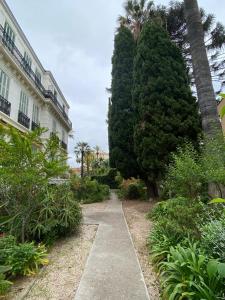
<point x="121" y="117"/>
<point x="166" y="112"/>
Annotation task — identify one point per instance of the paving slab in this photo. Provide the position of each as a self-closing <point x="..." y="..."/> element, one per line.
<point x="112" y="271"/>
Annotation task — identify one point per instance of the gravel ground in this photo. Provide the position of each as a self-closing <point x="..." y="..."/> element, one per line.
<point x="60" y="279"/>
<point x="135" y="213"/>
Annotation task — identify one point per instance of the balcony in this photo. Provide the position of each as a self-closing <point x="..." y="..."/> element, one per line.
<point x="64" y="145"/>
<point x="34" y="125"/>
<point x="5" y="106"/>
<point x="23" y="119"/>
<point x="9" y="44"/>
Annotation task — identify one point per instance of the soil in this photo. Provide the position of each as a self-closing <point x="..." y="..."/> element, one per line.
<point x="140" y="227"/>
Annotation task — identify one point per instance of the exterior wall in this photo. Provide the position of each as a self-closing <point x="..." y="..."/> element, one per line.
<point x="50" y="107"/>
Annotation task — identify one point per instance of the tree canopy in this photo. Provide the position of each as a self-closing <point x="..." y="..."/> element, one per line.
<point x="166" y="112"/>
<point x="121" y="117"/>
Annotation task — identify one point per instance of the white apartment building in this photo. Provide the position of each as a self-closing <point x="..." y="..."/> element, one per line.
<point x="29" y="95"/>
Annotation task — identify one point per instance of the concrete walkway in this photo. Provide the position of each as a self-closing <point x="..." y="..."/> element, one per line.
<point x="112" y="271"/>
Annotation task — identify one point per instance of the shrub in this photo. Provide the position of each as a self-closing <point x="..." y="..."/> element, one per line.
<point x="159" y="244"/>
<point x="132" y="189"/>
<point x="213" y="238"/>
<point x="59" y="214"/>
<point x="26" y="258"/>
<point x="109" y="179"/>
<point x="6" y="244"/>
<point x="89" y="191"/>
<point x="213" y="161"/>
<point x="185" y="175"/>
<point x="175" y="217"/>
<point x="4" y="284"/>
<point x="188" y="274"/>
<point x="27" y="164"/>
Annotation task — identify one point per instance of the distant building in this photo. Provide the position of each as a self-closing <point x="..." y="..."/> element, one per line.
<point x="103" y="155"/>
<point x="75" y="171"/>
<point x="29" y="95"/>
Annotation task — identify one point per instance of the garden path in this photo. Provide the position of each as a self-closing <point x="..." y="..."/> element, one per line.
<point x="112" y="271"/>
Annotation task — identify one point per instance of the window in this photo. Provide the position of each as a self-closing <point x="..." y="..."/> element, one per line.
<point x="24" y="102"/>
<point x="35" y="115"/>
<point x="37" y="76"/>
<point x="4" y="85"/>
<point x="27" y="61"/>
<point x="54" y="125"/>
<point x="9" y="36"/>
<point x="63" y="135"/>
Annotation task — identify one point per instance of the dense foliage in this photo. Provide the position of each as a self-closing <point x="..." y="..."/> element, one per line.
<point x="31" y="206"/>
<point x="187" y="239"/>
<point x="166" y="112"/>
<point x="19" y="259"/>
<point x="110" y="178"/>
<point x="132" y="189"/>
<point x="121" y="117"/>
<point x="89" y="191"/>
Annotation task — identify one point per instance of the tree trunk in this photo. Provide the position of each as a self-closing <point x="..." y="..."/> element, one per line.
<point x="82" y="164"/>
<point x="152" y="190"/>
<point x="203" y="79"/>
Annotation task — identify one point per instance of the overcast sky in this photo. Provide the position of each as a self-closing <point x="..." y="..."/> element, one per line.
<point x="74" y="40"/>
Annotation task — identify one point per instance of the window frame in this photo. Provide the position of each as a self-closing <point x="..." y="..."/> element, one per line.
<point x="24" y="103"/>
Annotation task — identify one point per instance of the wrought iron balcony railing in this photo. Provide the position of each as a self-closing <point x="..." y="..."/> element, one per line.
<point x="10" y="45"/>
<point x="34" y="125"/>
<point x="5" y="106"/>
<point x="23" y="119"/>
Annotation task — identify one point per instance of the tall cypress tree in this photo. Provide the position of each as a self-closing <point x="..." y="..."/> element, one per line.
<point x="166" y="112"/>
<point x="121" y="117"/>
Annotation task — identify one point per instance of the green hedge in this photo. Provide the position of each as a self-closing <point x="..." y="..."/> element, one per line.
<point x="108" y="179"/>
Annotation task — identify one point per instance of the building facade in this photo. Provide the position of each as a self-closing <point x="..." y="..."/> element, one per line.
<point x="29" y="95"/>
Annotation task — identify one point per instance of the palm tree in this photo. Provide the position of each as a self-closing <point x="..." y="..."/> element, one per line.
<point x="80" y="150"/>
<point x="97" y="151"/>
<point x="137" y="13"/>
<point x="203" y="79"/>
<point x="88" y="158"/>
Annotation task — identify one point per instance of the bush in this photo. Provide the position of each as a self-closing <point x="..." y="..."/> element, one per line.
<point x="89" y="191"/>
<point x="25" y="195"/>
<point x="59" y="214"/>
<point x="26" y="258"/>
<point x="185" y="175"/>
<point x="4" y="284"/>
<point x="175" y="217"/>
<point x="132" y="189"/>
<point x="188" y="274"/>
<point x="6" y="244"/>
<point x="213" y="161"/>
<point x="22" y="259"/>
<point x="109" y="179"/>
<point x="213" y="238"/>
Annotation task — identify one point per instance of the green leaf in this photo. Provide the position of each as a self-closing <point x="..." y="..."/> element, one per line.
<point x="222" y="112"/>
<point x="212" y="268"/>
<point x="4" y="269"/>
<point x="221" y="269"/>
<point x="217" y="200"/>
